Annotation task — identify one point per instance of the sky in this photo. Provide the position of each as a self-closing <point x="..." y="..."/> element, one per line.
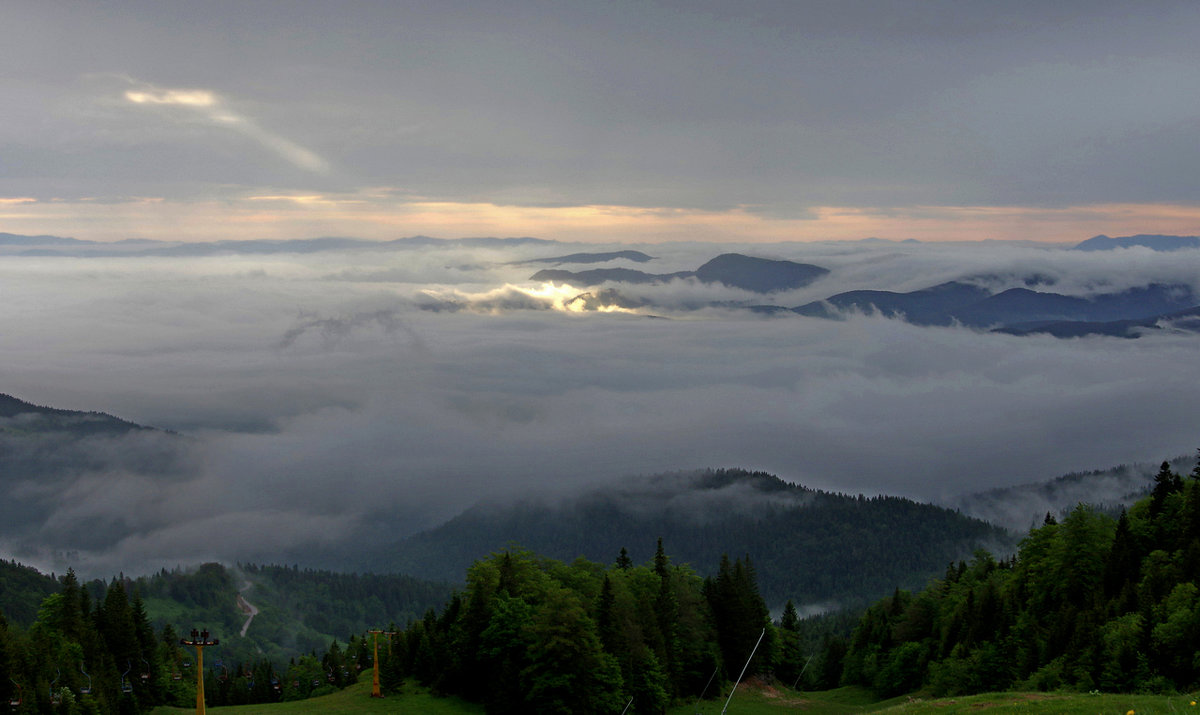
<point x="611" y="122"/>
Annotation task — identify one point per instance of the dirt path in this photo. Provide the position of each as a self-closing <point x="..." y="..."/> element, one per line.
<point x="246" y="607"/>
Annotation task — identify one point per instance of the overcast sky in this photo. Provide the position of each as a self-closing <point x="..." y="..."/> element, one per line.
<point x="613" y="121"/>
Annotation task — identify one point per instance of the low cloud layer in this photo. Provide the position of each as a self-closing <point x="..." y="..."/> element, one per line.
<point x="316" y="409"/>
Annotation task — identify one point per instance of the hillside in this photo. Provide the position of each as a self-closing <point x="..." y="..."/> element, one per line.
<point x="46" y="453"/>
<point x="299" y="610"/>
<point x="18" y="417"/>
<point x="22" y="589"/>
<point x="808" y="546"/>
<point x="1091" y="603"/>
<point x="1023" y="506"/>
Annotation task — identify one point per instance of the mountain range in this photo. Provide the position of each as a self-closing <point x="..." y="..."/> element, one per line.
<point x="1022" y="311"/>
<point x="808" y="545"/>
<point x="598" y="257"/>
<point x="50" y="246"/>
<point x="812" y="546"/>
<point x="759" y="275"/>
<point x="20" y="417"/>
<point x="1154" y="242"/>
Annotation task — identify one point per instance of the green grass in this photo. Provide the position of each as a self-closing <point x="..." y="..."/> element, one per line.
<point x="353" y="700"/>
<point x="774" y="700"/>
<point x="1052" y="704"/>
<point x="357" y="699"/>
<point x="843" y="701"/>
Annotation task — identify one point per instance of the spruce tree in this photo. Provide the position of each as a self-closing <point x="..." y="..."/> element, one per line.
<point x="1166" y="483"/>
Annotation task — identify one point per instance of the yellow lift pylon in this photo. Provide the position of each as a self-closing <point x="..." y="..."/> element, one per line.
<point x="375" y="691"/>
<point x="200" y="640"/>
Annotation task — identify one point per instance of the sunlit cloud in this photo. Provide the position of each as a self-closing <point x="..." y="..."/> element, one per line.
<point x="191" y="98"/>
<point x="213" y="109"/>
<point x="305" y="199"/>
<point x="17" y="200"/>
<point x="562" y="297"/>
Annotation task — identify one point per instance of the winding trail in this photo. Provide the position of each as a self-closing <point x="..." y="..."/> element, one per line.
<point x="246" y="607"/>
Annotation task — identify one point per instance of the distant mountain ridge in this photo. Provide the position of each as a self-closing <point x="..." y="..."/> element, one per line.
<point x="1106" y="489"/>
<point x="1157" y="242"/>
<point x="51" y="246"/>
<point x="758" y="275"/>
<point x="808" y="545"/>
<point x="45" y="452"/>
<point x="1183" y="321"/>
<point x="603" y="257"/>
<point x="1021" y="311"/>
<point x="18" y="416"/>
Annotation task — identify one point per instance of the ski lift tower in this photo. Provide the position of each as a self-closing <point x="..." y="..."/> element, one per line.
<point x="375" y="691"/>
<point x="200" y="641"/>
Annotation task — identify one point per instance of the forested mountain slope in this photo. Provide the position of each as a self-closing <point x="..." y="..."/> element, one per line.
<point x="1023" y="506"/>
<point x="808" y="546"/>
<point x="18" y="417"/>
<point x="299" y="610"/>
<point x="22" y="589"/>
<point x="1093" y="602"/>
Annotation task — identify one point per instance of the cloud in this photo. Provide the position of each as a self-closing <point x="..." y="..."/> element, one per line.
<point x="189" y="98"/>
<point x="212" y="108"/>
<point x="322" y="411"/>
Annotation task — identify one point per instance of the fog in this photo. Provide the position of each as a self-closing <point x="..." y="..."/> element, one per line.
<point x="319" y="400"/>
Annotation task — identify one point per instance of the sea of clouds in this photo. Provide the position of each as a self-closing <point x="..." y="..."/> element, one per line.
<point x="320" y="400"/>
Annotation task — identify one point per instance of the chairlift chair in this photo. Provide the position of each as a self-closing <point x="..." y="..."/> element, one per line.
<point x="55" y="695"/>
<point x="15" y="701"/>
<point x="126" y="686"/>
<point x="146" y="671"/>
<point x="87" y="689"/>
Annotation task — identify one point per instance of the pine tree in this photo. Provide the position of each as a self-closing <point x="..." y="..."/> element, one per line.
<point x="1166" y="483"/>
<point x="660" y="560"/>
<point x="1123" y="561"/>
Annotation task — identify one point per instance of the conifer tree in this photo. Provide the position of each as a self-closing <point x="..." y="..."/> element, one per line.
<point x="1166" y="483"/>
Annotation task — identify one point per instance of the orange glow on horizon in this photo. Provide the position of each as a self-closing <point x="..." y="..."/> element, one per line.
<point x="373" y="216"/>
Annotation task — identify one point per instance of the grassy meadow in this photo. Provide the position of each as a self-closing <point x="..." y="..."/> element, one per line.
<point x="756" y="700"/>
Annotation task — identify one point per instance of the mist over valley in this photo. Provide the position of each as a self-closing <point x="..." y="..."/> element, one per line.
<point x="306" y="396"/>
